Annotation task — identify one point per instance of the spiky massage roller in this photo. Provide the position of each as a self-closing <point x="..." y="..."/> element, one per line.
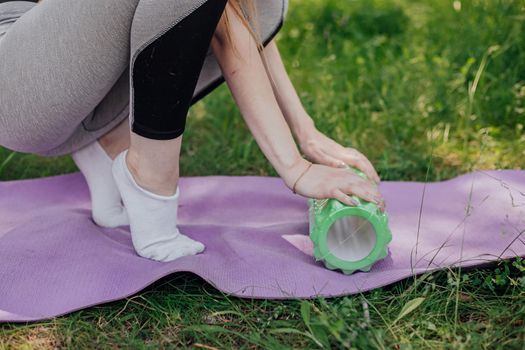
<point x="349" y="238"/>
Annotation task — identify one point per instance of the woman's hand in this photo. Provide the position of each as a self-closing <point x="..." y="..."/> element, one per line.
<point x="319" y="148"/>
<point x="321" y="181"/>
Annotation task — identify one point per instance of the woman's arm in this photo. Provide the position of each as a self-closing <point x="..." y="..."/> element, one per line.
<point x="252" y="91"/>
<point x="291" y="106"/>
<point x="314" y="144"/>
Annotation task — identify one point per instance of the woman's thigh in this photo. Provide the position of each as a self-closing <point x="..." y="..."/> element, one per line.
<point x="58" y="62"/>
<point x="68" y="82"/>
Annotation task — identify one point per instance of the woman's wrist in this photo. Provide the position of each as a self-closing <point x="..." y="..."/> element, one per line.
<point x="300" y="176"/>
<point x="290" y="172"/>
<point x="303" y="127"/>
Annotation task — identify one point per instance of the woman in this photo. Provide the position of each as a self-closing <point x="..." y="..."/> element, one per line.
<point x="72" y="72"/>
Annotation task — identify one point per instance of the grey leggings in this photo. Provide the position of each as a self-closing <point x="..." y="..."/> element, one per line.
<point x="65" y="77"/>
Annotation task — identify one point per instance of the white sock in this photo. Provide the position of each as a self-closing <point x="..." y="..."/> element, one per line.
<point x="153" y="218"/>
<point x="106" y="205"/>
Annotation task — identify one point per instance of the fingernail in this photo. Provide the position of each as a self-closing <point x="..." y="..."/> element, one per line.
<point x="341" y="165"/>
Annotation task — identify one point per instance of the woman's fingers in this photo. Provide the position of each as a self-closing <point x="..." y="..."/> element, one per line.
<point x="364" y="194"/>
<point x="344" y="198"/>
<point x="332" y="161"/>
<point x="320" y="157"/>
<point x="347" y="199"/>
<point x="345" y="155"/>
<point x="363" y="189"/>
<point x="358" y="160"/>
<point x="323" y="181"/>
<point x="357" y="181"/>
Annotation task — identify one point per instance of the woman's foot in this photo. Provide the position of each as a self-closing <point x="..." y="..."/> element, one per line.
<point x="106" y="205"/>
<point x="153" y="218"/>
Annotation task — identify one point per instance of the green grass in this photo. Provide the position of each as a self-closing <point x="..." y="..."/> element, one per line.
<point x="427" y="90"/>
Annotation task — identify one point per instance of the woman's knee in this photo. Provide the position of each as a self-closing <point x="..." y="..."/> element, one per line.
<point x="58" y="62"/>
<point x="34" y="136"/>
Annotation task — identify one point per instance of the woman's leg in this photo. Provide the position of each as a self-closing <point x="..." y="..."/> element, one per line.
<point x="63" y="69"/>
<point x="61" y="59"/>
<point x="164" y="71"/>
<point x="164" y="77"/>
<point x="116" y="140"/>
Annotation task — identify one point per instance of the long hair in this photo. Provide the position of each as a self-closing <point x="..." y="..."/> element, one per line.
<point x="247" y="13"/>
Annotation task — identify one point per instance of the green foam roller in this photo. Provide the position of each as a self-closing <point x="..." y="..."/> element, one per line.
<point x="348" y="238"/>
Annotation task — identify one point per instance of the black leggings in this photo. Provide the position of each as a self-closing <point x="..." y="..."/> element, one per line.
<point x="165" y="73"/>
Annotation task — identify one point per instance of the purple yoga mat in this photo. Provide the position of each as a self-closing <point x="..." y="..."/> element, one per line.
<point x="55" y="260"/>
